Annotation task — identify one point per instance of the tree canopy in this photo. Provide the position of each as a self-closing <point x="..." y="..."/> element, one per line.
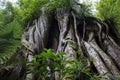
<point x="10" y="30"/>
<point x="109" y="9"/>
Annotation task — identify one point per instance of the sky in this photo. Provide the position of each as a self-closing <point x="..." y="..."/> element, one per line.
<point x="13" y="1"/>
<point x="88" y="0"/>
<point x="93" y="2"/>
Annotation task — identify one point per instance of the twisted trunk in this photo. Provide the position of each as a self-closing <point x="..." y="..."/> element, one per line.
<point x="62" y="30"/>
<point x="67" y="32"/>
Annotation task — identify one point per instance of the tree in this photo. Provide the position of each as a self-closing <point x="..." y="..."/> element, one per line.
<point x="10" y="31"/>
<point x="8" y="12"/>
<point x="109" y="10"/>
<point x="62" y="31"/>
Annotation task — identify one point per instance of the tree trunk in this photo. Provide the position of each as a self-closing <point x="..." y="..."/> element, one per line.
<point x="60" y="30"/>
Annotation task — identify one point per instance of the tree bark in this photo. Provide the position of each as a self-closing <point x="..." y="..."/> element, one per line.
<point x="35" y="39"/>
<point x="62" y="32"/>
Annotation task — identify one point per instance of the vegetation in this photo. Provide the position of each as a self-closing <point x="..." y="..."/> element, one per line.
<point x="48" y="62"/>
<point x="30" y="9"/>
<point x="14" y="20"/>
<point x="109" y="9"/>
<point x="10" y="31"/>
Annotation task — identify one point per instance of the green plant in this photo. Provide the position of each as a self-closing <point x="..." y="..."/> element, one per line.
<point x="30" y="9"/>
<point x="109" y="9"/>
<point x="10" y="31"/>
<point x="45" y="64"/>
<point x="117" y="78"/>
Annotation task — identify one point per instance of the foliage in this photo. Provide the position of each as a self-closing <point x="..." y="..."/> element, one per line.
<point x="7" y="49"/>
<point x="109" y="9"/>
<point x="118" y="78"/>
<point x="86" y="9"/>
<point x="48" y="62"/>
<point x="10" y="39"/>
<point x="17" y="29"/>
<point x="7" y="14"/>
<point x="10" y="32"/>
<point x="30" y="9"/>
